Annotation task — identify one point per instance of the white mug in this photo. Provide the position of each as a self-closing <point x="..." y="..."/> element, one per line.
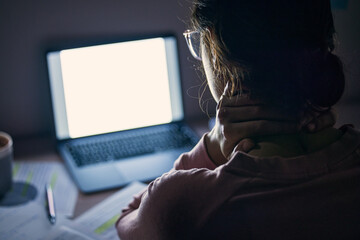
<point x="6" y="158"/>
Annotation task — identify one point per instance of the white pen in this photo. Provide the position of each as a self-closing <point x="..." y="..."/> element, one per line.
<point x="50" y="204"/>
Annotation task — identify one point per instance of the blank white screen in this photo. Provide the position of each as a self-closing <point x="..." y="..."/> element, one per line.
<point x="115" y="87"/>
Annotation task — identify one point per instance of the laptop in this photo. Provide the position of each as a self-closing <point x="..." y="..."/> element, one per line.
<point x="118" y="111"/>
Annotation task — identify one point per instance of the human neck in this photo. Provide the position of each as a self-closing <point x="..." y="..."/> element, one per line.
<point x="292" y="145"/>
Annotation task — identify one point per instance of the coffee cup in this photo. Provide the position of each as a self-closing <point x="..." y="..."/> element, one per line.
<point x="6" y="158"/>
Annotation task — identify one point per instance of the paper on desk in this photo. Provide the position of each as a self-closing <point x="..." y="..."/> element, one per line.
<point x="66" y="233"/>
<point x="28" y="221"/>
<point x="22" y="210"/>
<point x="99" y="221"/>
<point x="37" y="174"/>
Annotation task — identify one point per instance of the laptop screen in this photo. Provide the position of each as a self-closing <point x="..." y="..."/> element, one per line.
<point x="113" y="87"/>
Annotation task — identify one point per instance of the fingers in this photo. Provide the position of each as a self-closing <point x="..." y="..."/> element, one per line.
<point x="251" y="113"/>
<point x="242" y="108"/>
<point x="321" y="121"/>
<point x="245" y="145"/>
<point x="238" y="134"/>
<point x="234" y="132"/>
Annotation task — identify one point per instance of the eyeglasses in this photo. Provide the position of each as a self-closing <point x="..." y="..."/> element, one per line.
<point x="193" y="40"/>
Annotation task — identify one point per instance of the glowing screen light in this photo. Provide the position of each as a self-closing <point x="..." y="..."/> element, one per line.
<point x="115" y="87"/>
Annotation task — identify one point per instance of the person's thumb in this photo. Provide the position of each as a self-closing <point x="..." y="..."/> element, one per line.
<point x="245" y="145"/>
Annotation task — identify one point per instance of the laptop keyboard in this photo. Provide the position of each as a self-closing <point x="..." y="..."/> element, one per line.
<point x="134" y="143"/>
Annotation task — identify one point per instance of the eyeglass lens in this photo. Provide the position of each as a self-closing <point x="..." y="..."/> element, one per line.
<point x="193" y="41"/>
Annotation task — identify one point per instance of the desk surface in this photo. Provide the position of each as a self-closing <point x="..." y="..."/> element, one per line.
<point x="84" y="201"/>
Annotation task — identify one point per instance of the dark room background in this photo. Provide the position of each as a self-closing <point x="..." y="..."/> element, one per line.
<point x="28" y="28"/>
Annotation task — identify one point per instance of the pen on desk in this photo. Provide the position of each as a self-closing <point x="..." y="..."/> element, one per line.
<point x="50" y="204"/>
